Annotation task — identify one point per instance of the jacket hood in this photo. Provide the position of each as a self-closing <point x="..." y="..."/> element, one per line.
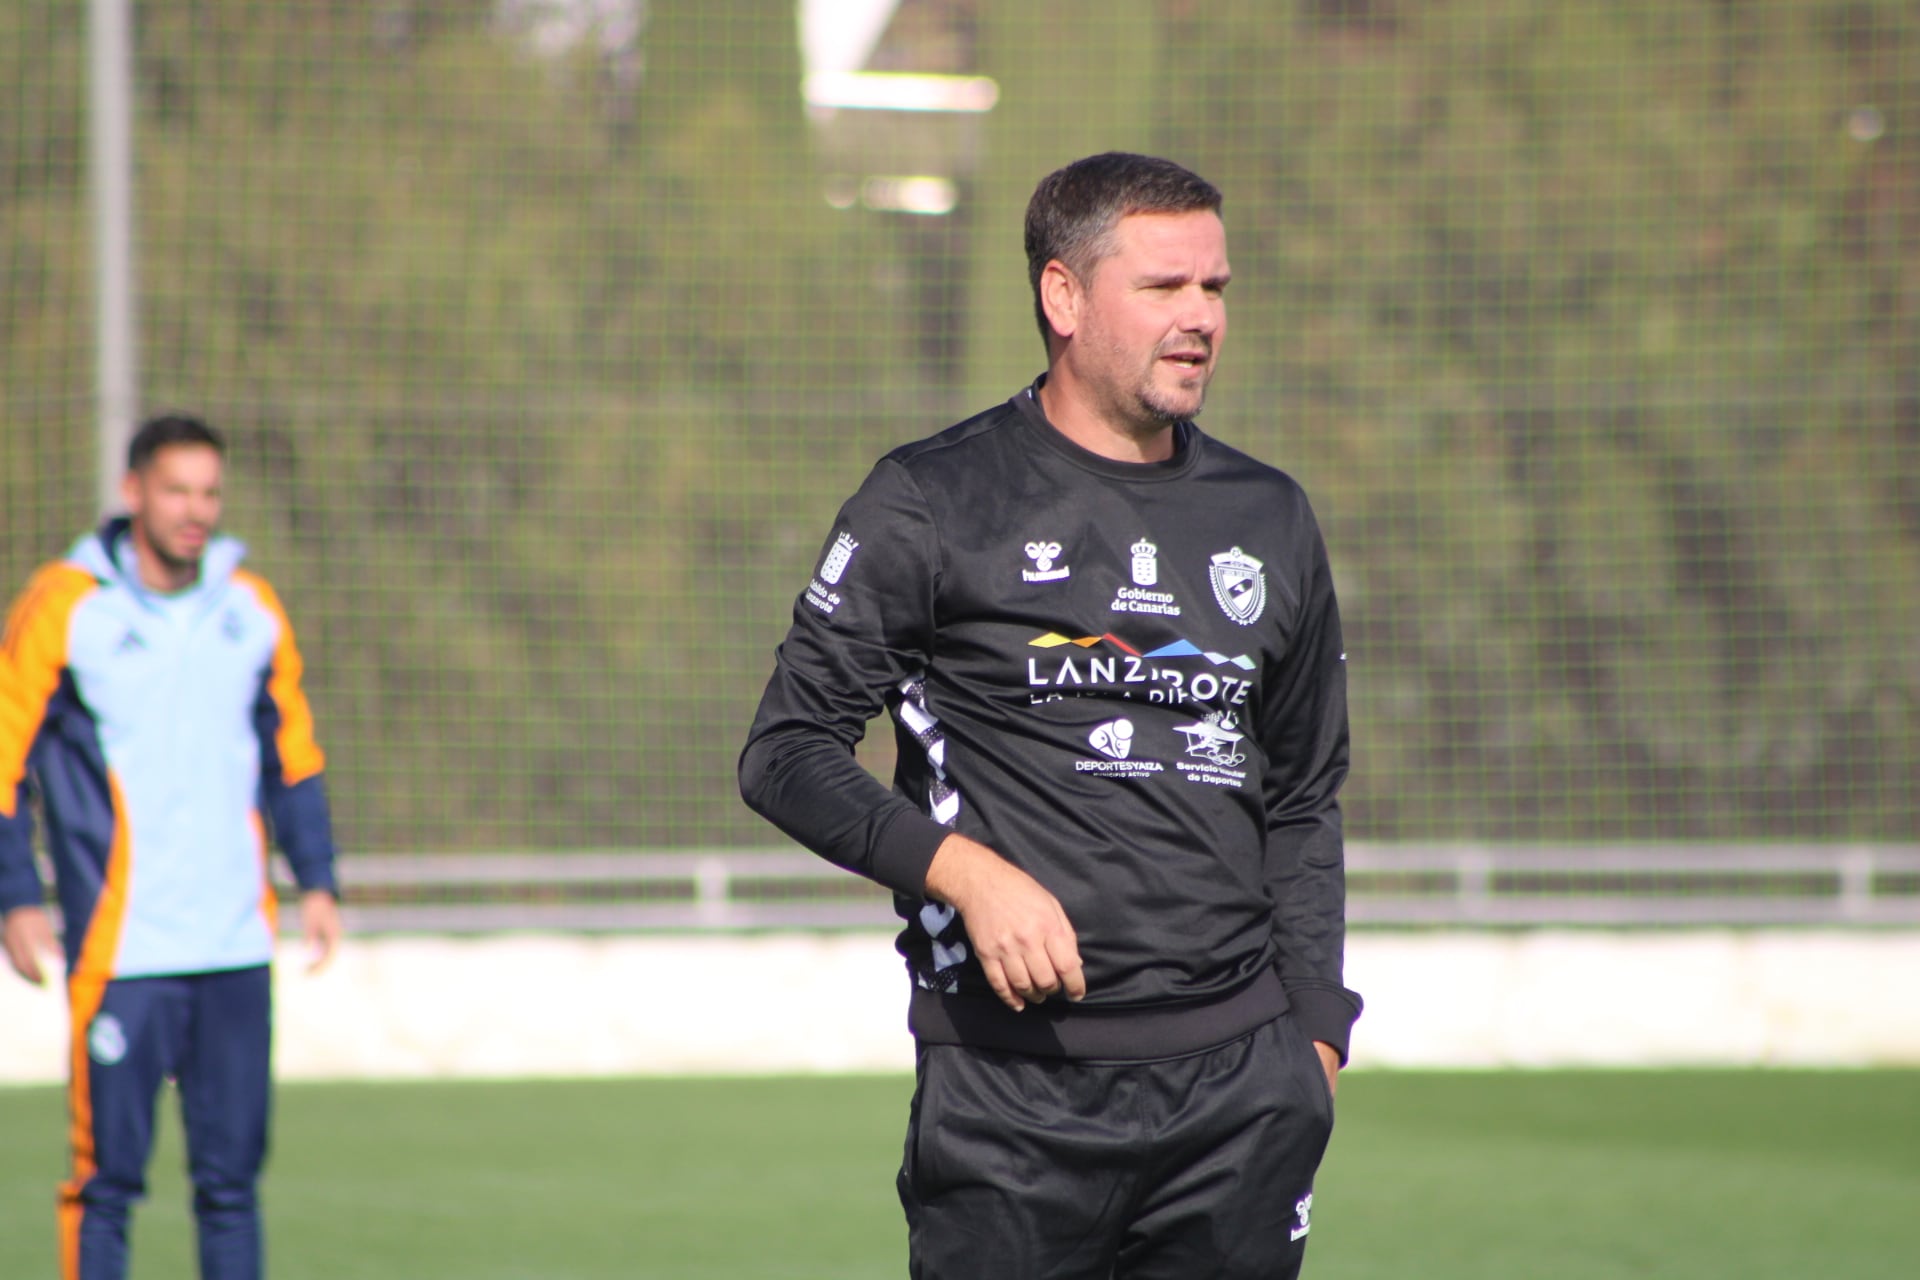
<point x="107" y="553"/>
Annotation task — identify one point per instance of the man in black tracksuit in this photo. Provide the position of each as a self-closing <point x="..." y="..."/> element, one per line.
<point x="1110" y="648"/>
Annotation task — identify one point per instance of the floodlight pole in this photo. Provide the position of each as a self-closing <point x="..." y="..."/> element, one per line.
<point x="110" y="82"/>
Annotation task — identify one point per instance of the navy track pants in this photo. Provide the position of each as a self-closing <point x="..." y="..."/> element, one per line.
<point x="211" y="1034"/>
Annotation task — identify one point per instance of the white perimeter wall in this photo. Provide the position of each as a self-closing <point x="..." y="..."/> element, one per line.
<point x="538" y="1005"/>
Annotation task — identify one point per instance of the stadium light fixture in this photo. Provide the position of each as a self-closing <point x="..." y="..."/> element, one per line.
<point x="923" y="194"/>
<point x="899" y="91"/>
<point x="919" y="193"/>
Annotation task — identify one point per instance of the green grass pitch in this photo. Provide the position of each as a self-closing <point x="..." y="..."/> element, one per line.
<point x="1561" y="1175"/>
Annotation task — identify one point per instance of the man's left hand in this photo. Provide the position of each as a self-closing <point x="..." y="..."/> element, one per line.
<point x="1330" y="1063"/>
<point x="320" y="926"/>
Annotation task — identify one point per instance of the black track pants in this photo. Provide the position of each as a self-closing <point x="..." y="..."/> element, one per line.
<point x="1193" y="1168"/>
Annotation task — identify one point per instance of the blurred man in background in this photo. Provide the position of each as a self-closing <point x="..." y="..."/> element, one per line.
<point x="150" y="696"/>
<point x="1111" y="650"/>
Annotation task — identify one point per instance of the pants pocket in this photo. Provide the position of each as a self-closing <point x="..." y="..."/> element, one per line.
<point x="1308" y="1054"/>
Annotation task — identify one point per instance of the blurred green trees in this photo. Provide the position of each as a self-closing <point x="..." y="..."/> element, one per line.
<point x="1593" y="330"/>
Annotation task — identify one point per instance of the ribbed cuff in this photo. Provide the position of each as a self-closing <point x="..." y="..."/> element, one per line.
<point x="315" y="873"/>
<point x="1325" y="1013"/>
<point x="904" y="850"/>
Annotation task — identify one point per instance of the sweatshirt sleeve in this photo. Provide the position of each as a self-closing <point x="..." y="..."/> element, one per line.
<point x="862" y="627"/>
<point x="33" y="659"/>
<point x="1304" y="731"/>
<point x="292" y="766"/>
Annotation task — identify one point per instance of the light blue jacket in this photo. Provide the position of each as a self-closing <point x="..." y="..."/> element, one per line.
<point x="166" y="736"/>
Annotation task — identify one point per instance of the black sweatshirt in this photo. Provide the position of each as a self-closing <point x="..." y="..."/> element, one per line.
<point x="1125" y="678"/>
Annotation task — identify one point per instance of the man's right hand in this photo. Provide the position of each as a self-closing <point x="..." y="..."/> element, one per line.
<point x="29" y="935"/>
<point x="1020" y="932"/>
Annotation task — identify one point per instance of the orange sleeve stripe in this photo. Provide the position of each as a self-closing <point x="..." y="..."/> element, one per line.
<point x="102" y="942"/>
<point x="300" y="755"/>
<point x="33" y="653"/>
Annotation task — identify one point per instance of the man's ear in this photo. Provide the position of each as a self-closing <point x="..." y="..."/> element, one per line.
<point x="130" y="492"/>
<point x="1061" y="298"/>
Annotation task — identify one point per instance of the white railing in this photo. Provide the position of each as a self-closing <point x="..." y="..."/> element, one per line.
<point x="1388" y="886"/>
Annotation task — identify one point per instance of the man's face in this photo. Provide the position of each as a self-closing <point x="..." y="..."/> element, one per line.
<point x="1153" y="317"/>
<point x="175" y="503"/>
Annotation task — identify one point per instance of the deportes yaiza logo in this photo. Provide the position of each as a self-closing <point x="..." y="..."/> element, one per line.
<point x="837" y="556"/>
<point x="1044" y="554"/>
<point x="1239" y="584"/>
<point x="1114" y="739"/>
<point x="106" y="1040"/>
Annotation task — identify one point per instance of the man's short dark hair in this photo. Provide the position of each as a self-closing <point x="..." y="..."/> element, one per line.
<point x="1074" y="210"/>
<point x="158" y="433"/>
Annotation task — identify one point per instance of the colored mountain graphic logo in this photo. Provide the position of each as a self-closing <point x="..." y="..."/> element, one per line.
<point x="1178" y="649"/>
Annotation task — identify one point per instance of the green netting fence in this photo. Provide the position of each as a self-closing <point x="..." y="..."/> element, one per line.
<point x="550" y="334"/>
